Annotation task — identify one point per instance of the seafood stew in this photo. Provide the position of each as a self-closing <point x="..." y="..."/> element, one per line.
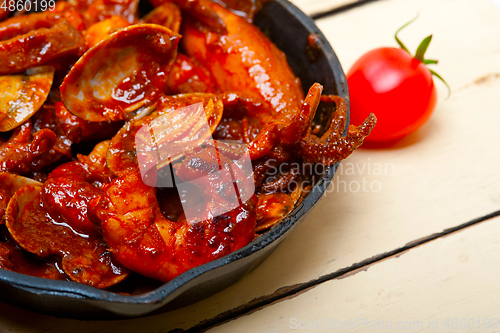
<point x="274" y="131"/>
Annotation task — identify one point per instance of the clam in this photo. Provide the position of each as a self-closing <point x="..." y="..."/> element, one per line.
<point x="121" y="74"/>
<point x="180" y="122"/>
<point x="85" y="258"/>
<point x="23" y="94"/>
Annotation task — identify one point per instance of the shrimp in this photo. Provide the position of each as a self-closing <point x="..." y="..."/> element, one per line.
<point x="244" y="60"/>
<point x="144" y="240"/>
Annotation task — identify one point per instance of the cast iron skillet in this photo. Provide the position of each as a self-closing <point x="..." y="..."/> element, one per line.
<point x="289" y="28"/>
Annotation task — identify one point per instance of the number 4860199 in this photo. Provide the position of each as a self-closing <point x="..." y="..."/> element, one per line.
<point x="27" y="5"/>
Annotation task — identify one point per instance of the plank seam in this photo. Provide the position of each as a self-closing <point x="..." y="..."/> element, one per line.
<point x="340" y="9"/>
<point x="297" y="289"/>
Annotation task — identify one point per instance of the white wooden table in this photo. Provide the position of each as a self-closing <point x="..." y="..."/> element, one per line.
<point x="420" y="249"/>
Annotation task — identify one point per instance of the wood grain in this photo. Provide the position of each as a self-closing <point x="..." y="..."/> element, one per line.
<point x="312" y="7"/>
<point x="442" y="176"/>
<point x="438" y="286"/>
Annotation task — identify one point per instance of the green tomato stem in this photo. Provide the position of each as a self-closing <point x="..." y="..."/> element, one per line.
<point x="400" y="43"/>
<point x="442" y="80"/>
<point x="419" y="55"/>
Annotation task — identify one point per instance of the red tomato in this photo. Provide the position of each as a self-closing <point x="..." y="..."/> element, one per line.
<point x="396" y="87"/>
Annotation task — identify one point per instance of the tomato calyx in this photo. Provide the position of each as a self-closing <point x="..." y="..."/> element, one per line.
<point x="419" y="54"/>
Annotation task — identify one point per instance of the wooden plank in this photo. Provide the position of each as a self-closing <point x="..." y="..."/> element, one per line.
<point x="444" y="175"/>
<point x="447" y="285"/>
<point x="496" y="3"/>
<point x="312" y="7"/>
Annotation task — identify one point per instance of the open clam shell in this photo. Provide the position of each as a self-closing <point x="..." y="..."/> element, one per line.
<point x="85" y="259"/>
<point x="9" y="184"/>
<point x="167" y="15"/>
<point x="176" y="125"/>
<point x="23" y="94"/>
